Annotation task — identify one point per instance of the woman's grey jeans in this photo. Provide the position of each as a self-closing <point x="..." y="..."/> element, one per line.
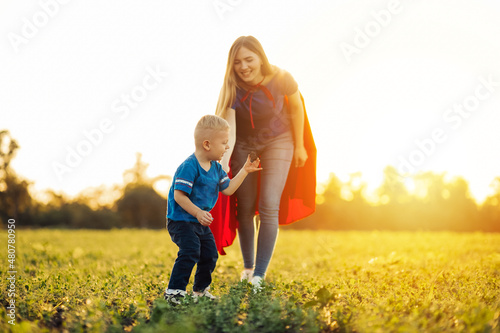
<point x="275" y="156"/>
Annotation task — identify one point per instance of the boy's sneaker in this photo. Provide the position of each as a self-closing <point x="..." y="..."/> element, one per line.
<point x="175" y="296"/>
<point x="247" y="275"/>
<point x="205" y="293"/>
<point x="257" y="283"/>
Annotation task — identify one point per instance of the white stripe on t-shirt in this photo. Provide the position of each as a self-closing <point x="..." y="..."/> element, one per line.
<point x="185" y="182"/>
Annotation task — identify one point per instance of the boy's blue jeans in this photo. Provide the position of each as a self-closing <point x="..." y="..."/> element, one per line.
<point x="196" y="246"/>
<point x="275" y="156"/>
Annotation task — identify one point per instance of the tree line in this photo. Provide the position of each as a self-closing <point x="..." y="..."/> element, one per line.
<point x="434" y="203"/>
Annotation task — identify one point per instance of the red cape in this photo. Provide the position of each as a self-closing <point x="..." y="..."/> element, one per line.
<point x="297" y="201"/>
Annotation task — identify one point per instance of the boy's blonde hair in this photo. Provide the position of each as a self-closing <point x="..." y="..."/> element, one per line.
<point x="207" y="126"/>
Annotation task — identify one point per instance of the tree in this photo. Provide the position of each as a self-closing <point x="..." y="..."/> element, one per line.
<point x="140" y="205"/>
<point x="490" y="209"/>
<point x="463" y="210"/>
<point x="15" y="199"/>
<point x="392" y="190"/>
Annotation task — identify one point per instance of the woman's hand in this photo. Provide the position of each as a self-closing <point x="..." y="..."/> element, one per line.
<point x="300" y="156"/>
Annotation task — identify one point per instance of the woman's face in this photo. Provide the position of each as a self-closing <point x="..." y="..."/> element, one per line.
<point x="247" y="66"/>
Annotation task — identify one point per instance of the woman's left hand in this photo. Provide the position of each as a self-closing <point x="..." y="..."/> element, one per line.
<point x="300" y="156"/>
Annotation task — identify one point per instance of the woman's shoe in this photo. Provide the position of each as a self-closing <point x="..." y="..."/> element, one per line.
<point x="257" y="283"/>
<point x="247" y="275"/>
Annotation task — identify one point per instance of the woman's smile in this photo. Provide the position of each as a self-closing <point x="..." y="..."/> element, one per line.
<point x="247" y="66"/>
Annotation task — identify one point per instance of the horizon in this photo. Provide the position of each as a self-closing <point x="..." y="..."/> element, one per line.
<point x="354" y="182"/>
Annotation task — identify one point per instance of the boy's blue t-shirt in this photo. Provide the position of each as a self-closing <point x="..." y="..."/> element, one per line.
<point x="201" y="186"/>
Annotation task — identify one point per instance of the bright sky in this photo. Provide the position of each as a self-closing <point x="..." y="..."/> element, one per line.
<point x="87" y="84"/>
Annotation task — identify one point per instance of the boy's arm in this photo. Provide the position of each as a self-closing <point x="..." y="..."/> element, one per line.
<point x="182" y="199"/>
<point x="238" y="179"/>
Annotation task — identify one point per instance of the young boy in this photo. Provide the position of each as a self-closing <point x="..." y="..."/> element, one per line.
<point x="194" y="192"/>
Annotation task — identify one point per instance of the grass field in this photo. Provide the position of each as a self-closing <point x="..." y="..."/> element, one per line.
<point x="318" y="282"/>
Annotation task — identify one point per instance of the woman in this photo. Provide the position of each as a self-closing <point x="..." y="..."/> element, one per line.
<point x="264" y="108"/>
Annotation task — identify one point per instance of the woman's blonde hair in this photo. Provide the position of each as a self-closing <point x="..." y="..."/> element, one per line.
<point x="231" y="80"/>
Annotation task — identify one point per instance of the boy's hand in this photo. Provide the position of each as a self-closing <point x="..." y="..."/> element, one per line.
<point x="204" y="217"/>
<point x="252" y="166"/>
<point x="238" y="179"/>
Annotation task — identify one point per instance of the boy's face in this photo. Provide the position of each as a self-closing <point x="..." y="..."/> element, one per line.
<point x="219" y="145"/>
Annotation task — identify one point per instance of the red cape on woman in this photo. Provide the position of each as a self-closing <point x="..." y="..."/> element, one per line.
<point x="297" y="201"/>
